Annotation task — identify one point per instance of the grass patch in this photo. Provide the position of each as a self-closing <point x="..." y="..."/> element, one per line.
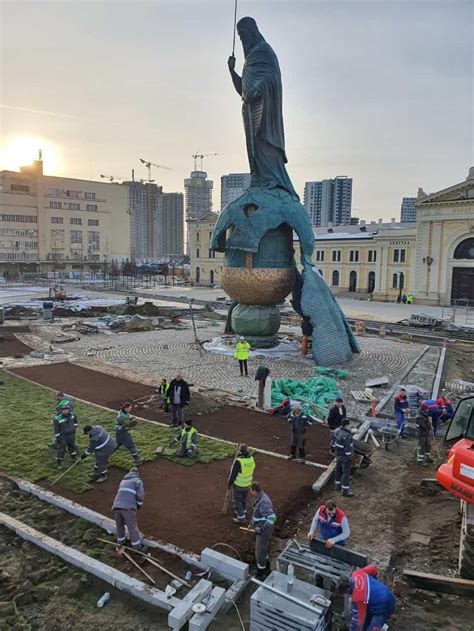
<point x="26" y="411"/>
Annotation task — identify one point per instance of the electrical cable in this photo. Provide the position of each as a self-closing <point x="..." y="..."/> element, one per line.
<point x="227" y="546"/>
<point x="238" y="613"/>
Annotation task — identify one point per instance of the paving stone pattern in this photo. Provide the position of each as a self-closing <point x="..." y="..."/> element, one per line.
<point x="162" y="353"/>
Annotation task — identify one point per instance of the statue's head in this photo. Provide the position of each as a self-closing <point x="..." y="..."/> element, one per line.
<point x="249" y="34"/>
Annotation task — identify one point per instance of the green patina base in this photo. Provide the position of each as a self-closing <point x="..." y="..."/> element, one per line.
<point x="258" y="324"/>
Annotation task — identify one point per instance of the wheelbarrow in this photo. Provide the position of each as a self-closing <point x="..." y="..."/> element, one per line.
<point x="390" y="436"/>
<point x="364" y="452"/>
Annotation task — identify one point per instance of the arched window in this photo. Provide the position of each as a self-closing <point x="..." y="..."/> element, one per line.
<point x="401" y="281"/>
<point x="371" y="283"/>
<point x="197" y="253"/>
<point x="353" y="281"/>
<point x="211" y="277"/>
<point x="395" y="281"/>
<point x="335" y="278"/>
<point x="198" y="274"/>
<point x="465" y="250"/>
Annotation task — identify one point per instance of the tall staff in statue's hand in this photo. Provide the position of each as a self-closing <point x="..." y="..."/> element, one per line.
<point x="235" y="24"/>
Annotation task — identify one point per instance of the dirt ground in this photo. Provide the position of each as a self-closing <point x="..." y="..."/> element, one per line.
<point x="232" y="423"/>
<point x="10" y="346"/>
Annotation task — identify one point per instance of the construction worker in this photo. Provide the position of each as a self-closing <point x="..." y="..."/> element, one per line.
<point x="64" y="400"/>
<point x="179" y="397"/>
<point x="130" y="497"/>
<point x="446" y="409"/>
<point x="332" y="523"/>
<point x="434" y="414"/>
<point x="123" y="423"/>
<point x="372" y="602"/>
<point x="65" y="423"/>
<point x="298" y="422"/>
<point x="263" y="522"/>
<point x="102" y="445"/>
<point x="187" y="441"/>
<point x="163" y="394"/>
<point x="342" y="443"/>
<point x="400" y="409"/>
<point x="240" y="480"/>
<point x="241" y="353"/>
<point x="423" y="426"/>
<point x="336" y="413"/>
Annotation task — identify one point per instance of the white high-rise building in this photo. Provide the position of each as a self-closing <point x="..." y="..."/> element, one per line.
<point x="408" y="211"/>
<point x="232" y="186"/>
<point x="329" y="201"/>
<point x="198" y="194"/>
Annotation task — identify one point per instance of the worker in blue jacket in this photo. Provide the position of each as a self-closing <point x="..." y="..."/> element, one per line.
<point x="332" y="524"/>
<point x="372" y="602"/>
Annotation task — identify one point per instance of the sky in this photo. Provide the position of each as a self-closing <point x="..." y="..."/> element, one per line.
<point x="380" y="91"/>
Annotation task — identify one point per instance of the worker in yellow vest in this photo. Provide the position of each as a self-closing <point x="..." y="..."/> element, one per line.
<point x="240" y="480"/>
<point x="241" y="353"/>
<point x="187" y="440"/>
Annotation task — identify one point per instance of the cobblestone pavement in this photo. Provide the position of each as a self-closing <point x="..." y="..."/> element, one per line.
<point x="162" y="353"/>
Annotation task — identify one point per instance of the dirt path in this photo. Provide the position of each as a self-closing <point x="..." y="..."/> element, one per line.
<point x="236" y="424"/>
<point x="10" y="346"/>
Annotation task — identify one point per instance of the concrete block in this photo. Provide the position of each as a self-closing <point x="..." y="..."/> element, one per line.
<point x="225" y="564"/>
<point x="184" y="611"/>
<point x="203" y="620"/>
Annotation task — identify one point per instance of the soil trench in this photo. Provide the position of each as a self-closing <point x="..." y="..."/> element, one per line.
<point x="236" y="424"/>
<point x="10" y="346"/>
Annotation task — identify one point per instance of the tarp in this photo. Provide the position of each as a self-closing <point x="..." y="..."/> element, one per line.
<point x="315" y="394"/>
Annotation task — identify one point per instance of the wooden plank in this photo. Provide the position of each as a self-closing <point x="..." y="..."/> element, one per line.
<point x="439" y="583"/>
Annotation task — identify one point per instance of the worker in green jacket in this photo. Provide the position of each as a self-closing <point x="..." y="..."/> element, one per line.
<point x="241" y="353"/>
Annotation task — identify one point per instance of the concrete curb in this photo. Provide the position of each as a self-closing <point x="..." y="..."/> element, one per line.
<point x="439" y="373"/>
<point x="106" y="573"/>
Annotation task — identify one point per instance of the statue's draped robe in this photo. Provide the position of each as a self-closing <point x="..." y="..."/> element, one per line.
<point x="263" y="120"/>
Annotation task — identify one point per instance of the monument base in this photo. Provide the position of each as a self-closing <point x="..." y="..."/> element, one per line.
<point x="259" y="324"/>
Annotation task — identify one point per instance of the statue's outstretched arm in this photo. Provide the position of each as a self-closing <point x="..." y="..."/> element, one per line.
<point x="236" y="80"/>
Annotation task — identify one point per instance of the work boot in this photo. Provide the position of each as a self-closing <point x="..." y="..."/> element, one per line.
<point x="422" y="463"/>
<point x="347" y="493"/>
<point x="337" y="487"/>
<point x="238" y="520"/>
<point x="291" y="457"/>
<point x="303" y="460"/>
<point x="260" y="575"/>
<point x="102" y="478"/>
<point x="137" y="461"/>
<point x="58" y="462"/>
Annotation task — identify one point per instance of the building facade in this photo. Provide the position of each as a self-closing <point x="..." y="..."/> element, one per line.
<point x="329" y="202"/>
<point x="432" y="258"/>
<point x="206" y="265"/>
<point x="145" y="220"/>
<point x="173" y="223"/>
<point x="198" y="194"/>
<point x="51" y="222"/>
<point x="407" y="210"/>
<point x="232" y="186"/>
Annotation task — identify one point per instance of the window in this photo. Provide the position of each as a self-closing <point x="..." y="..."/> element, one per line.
<point x="212" y="254"/>
<point x="19" y="188"/>
<point x="75" y="221"/>
<point x="91" y="207"/>
<point x="320" y="255"/>
<point x="55" y="192"/>
<point x="74" y="206"/>
<point x="56" y="220"/>
<point x="335" y="278"/>
<point x="57" y="238"/>
<point x="55" y="204"/>
<point x="89" y="195"/>
<point x="395" y="280"/>
<point x="72" y="193"/>
<point x="401" y="280"/>
<point x="19" y="218"/>
<point x="372" y="256"/>
<point x="197" y="253"/>
<point x="402" y="256"/>
<point x="354" y="256"/>
<point x="197" y="236"/>
<point x="93" y="241"/>
<point x="92" y="222"/>
<point x="75" y="236"/>
<point x="396" y="256"/>
<point x="465" y="250"/>
<point x="336" y="256"/>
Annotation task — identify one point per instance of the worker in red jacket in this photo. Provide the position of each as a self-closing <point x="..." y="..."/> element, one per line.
<point x="372" y="602"/>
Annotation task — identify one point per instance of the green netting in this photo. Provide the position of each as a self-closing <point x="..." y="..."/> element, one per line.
<point x="315" y="394"/>
<point x="332" y="372"/>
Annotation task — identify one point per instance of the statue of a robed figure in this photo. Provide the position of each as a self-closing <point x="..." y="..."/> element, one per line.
<point x="256" y="231"/>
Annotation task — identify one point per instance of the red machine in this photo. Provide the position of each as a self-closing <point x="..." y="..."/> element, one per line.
<point x="457" y="474"/>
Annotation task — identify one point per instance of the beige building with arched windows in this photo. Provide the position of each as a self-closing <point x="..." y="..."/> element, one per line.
<point x="432" y="259"/>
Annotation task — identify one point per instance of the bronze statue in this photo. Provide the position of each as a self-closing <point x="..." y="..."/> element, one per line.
<point x="261" y="92"/>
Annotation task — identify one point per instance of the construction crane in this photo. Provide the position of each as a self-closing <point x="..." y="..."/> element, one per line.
<point x="201" y="156"/>
<point x="149" y="164"/>
<point x="111" y="178"/>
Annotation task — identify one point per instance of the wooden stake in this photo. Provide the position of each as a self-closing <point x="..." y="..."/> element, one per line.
<point x="129" y="558"/>
<point x="150" y="559"/>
